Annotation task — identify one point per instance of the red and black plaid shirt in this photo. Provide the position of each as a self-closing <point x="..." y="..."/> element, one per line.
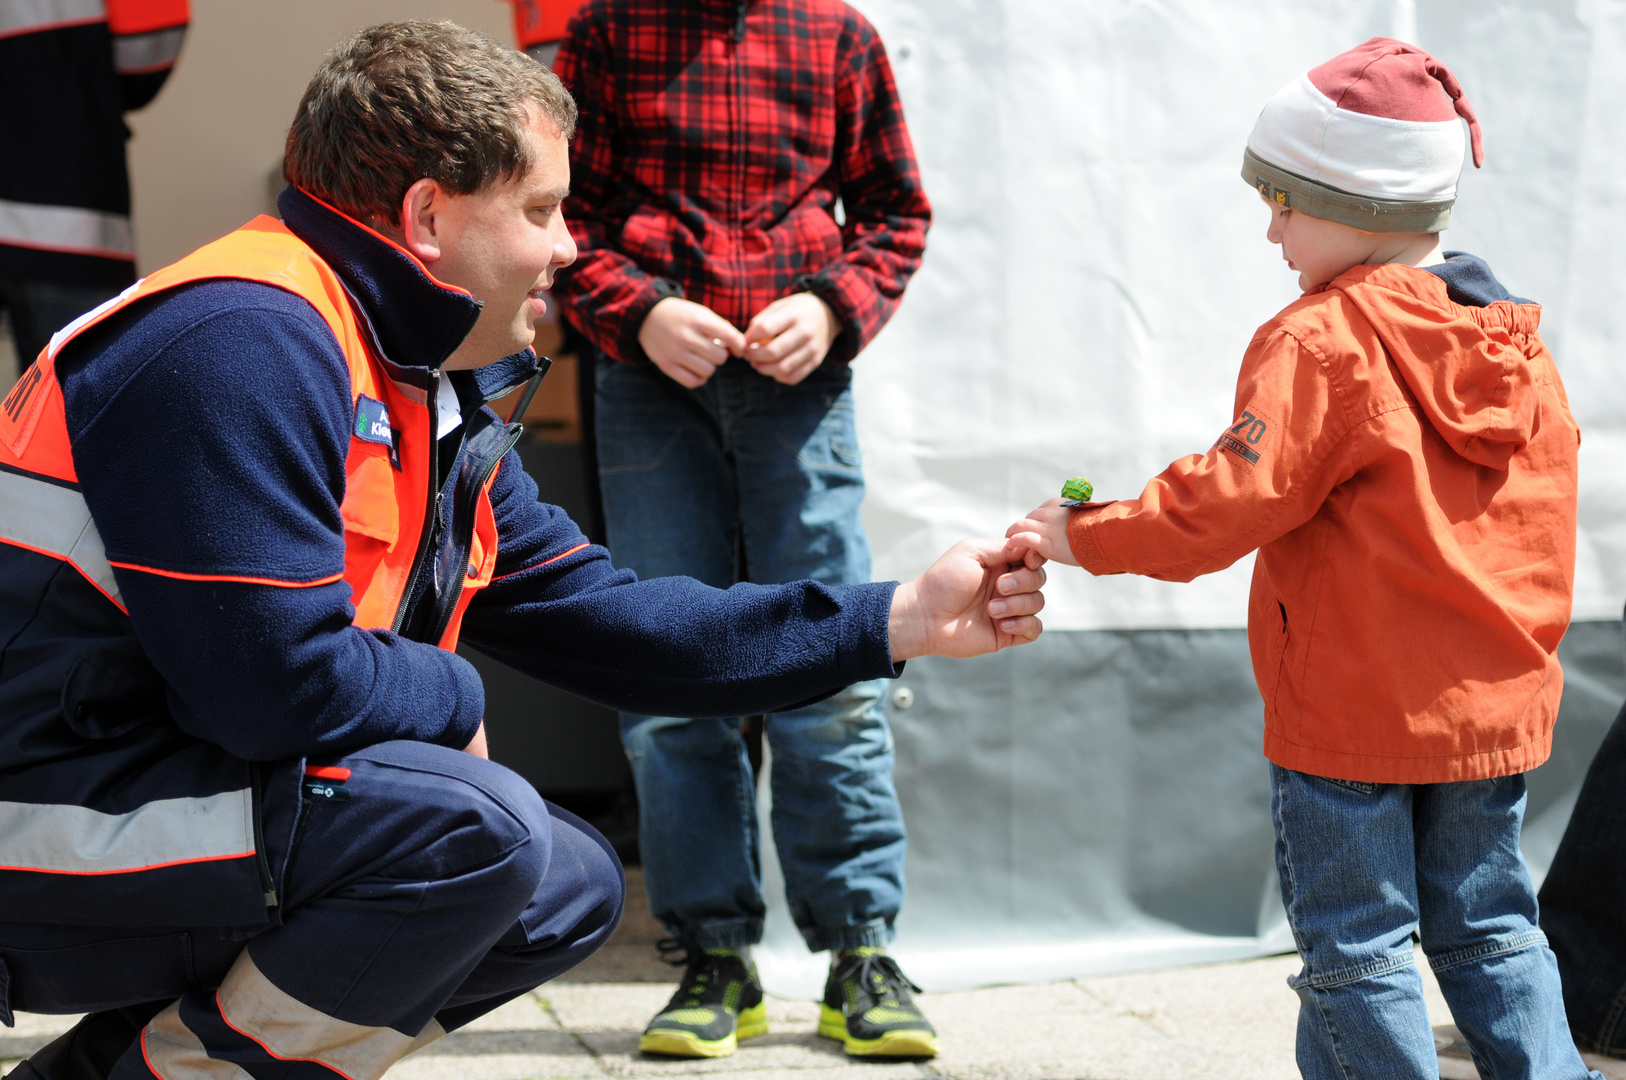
<point x="715" y="138"/>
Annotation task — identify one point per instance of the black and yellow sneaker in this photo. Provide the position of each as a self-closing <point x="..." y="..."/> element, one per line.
<point x="868" y="1007"/>
<point x="718" y="1003"/>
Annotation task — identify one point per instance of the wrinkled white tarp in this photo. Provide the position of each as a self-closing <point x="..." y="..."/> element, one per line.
<point x="1097" y="265"/>
<point x="1094" y="272"/>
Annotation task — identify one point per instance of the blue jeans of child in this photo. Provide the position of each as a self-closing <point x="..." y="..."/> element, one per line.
<point x="745" y="479"/>
<point x="1583" y="901"/>
<point x="1362" y="867"/>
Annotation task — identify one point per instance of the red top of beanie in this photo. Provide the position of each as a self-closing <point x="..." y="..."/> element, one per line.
<point x="1385" y="77"/>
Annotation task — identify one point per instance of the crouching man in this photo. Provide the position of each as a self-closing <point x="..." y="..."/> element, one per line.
<point x="247" y="509"/>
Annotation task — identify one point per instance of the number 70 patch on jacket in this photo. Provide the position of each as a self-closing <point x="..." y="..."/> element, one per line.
<point x="1246" y="439"/>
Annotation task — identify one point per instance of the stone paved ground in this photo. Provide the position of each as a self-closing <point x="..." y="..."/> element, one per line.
<point x="1223" y="1022"/>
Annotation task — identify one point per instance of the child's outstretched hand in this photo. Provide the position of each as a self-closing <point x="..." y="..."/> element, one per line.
<point x="1042" y="535"/>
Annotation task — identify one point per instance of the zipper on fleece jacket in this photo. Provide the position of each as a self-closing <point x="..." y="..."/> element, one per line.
<point x="432" y="518"/>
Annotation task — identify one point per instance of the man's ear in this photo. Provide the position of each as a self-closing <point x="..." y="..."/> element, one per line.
<point x="422" y="227"/>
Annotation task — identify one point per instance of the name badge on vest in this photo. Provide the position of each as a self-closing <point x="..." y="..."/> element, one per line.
<point x="373" y="425"/>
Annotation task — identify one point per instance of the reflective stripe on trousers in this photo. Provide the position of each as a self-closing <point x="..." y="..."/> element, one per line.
<point x="286" y="1028"/>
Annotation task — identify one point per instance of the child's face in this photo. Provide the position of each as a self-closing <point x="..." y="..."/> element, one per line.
<point x="1318" y="249"/>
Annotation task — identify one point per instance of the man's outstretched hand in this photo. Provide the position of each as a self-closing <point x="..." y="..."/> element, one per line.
<point x="967" y="603"/>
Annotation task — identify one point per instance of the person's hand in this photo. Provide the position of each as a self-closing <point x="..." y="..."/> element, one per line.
<point x="1041" y="536"/>
<point x="688" y="341"/>
<point x="477" y="745"/>
<point x="969" y="602"/>
<point x="788" y="339"/>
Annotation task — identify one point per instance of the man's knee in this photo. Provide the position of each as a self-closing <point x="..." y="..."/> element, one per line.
<point x="428" y="813"/>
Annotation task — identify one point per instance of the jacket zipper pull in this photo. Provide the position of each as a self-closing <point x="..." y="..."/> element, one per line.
<point x="739" y="22"/>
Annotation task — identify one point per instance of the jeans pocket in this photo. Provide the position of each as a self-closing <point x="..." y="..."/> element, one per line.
<point x="1360" y="787"/>
<point x="831" y="447"/>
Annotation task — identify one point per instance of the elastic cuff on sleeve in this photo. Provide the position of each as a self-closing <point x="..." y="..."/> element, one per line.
<point x="626" y="348"/>
<point x="850" y="338"/>
<point x="1081" y="539"/>
<point x="470" y="710"/>
<point x="868" y="652"/>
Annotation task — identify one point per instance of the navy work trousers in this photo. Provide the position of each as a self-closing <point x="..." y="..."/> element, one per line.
<point x="439" y="888"/>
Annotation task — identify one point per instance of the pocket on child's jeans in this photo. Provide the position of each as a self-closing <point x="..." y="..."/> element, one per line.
<point x="1359" y="786"/>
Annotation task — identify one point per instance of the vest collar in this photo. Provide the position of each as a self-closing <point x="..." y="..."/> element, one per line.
<point x="417" y="320"/>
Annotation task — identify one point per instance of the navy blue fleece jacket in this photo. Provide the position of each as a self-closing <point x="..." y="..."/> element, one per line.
<point x="210" y="428"/>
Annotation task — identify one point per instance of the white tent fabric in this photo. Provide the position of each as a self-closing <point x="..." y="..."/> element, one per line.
<point x="1094" y="272"/>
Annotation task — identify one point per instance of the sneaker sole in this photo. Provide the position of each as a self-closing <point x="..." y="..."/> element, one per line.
<point x="676" y="1042"/>
<point x="916" y="1044"/>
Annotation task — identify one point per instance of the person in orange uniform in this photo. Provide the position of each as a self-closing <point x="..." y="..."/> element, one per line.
<point x="539" y="26"/>
<point x="1403" y="458"/>
<point x="69" y="71"/>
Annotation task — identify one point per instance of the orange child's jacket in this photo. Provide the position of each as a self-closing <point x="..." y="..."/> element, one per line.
<point x="1406" y="468"/>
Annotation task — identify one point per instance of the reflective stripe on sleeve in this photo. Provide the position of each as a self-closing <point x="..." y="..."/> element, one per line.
<point x="137" y="54"/>
<point x="71" y="229"/>
<point x="291" y="1030"/>
<point x="54" y="838"/>
<point x="54" y="520"/>
<point x="173" y="1052"/>
<point x="29" y="16"/>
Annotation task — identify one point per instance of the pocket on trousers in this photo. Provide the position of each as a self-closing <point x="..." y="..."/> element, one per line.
<point x="101" y="975"/>
<point x="1358" y="786"/>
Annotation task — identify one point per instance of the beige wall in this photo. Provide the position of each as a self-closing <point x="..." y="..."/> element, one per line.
<point x="202" y="153"/>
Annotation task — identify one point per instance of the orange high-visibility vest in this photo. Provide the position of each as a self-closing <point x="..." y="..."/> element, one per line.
<point x="384" y="508"/>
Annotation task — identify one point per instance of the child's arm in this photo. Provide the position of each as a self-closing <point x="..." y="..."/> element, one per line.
<point x="1269" y="472"/>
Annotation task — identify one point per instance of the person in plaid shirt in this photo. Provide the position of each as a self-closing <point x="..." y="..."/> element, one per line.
<point x="748" y="211"/>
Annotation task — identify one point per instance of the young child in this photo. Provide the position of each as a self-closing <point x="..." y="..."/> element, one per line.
<point x="1404" y="460"/>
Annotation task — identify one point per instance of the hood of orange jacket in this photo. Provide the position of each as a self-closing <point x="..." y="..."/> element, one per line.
<point x="1473" y="382"/>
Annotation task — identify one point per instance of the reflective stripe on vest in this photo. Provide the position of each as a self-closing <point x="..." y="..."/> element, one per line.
<point x="57" y="839"/>
<point x="46" y="516"/>
<point x="30" y="16"/>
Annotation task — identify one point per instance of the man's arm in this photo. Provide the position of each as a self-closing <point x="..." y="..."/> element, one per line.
<point x="210" y="440"/>
<point x="608" y="295"/>
<point x="147" y="36"/>
<point x="886" y="209"/>
<point x="561" y="612"/>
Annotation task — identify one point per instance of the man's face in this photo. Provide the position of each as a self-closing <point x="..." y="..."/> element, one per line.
<point x="1318" y="249"/>
<point x="503" y="245"/>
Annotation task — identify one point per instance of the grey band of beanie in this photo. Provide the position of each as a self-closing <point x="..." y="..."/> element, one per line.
<point x="1296" y="192"/>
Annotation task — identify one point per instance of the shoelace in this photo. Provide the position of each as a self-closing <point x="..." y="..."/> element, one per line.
<point x="877" y="970"/>
<point x="698" y="978"/>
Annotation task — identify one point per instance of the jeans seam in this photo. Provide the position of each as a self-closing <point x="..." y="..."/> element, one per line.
<point x="1488" y="949"/>
<point x="1345" y="976"/>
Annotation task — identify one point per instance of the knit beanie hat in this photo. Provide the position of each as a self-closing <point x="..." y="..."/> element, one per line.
<point x="1371" y="138"/>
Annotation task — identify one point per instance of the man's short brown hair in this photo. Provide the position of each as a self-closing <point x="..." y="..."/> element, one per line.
<point x="404" y="101"/>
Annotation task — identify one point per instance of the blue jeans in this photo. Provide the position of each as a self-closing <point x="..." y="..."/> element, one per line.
<point x="1362" y="867"/>
<point x="1583" y="901"/>
<point x="745" y="479"/>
